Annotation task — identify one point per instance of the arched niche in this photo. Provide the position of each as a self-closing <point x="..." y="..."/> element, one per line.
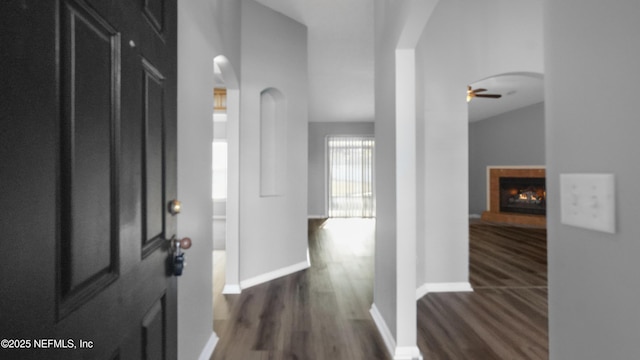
<point x="273" y="121"/>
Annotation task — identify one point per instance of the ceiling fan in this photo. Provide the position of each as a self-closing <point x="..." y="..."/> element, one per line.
<point x="471" y="93"/>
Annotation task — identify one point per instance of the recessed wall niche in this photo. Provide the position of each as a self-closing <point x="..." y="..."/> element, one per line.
<point x="273" y="144"/>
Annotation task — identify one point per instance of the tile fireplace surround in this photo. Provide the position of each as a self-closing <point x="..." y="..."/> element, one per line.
<point x="494" y="173"/>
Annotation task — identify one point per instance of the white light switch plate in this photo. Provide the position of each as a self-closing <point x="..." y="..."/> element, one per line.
<point x="588" y="201"/>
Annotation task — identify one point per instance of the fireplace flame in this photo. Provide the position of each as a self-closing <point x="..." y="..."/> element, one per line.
<point x="522" y="196"/>
<point x="529" y="196"/>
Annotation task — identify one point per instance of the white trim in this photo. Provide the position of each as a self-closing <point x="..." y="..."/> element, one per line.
<point x="274" y="274"/>
<point x="516" y="167"/>
<point x="442" y="287"/>
<point x="489" y="167"/>
<point x="230" y="289"/>
<point x="407" y="353"/>
<point x="209" y="347"/>
<point x="406" y="191"/>
<point x="317" y="216"/>
<point x="219" y="217"/>
<point x="383" y="329"/>
<point x="475" y="216"/>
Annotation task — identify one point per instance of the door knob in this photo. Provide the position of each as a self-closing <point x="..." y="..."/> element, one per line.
<point x="184" y="243"/>
<point x="177" y="245"/>
<point x="175" y="206"/>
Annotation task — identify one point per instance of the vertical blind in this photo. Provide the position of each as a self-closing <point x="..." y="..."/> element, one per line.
<point x="351" y="187"/>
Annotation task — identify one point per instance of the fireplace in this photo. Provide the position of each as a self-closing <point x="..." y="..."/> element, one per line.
<point x="516" y="195"/>
<point x="523" y="195"/>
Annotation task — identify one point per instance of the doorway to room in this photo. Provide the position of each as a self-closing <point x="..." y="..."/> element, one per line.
<point x="350" y="177"/>
<point x="219" y="167"/>
<point x="226" y="170"/>
<point x="508" y="253"/>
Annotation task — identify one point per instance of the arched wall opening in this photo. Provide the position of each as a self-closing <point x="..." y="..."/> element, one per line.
<point x="448" y="60"/>
<point x="505" y="131"/>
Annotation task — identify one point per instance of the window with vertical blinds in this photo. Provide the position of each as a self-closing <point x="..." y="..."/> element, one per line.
<point x="350" y="172"/>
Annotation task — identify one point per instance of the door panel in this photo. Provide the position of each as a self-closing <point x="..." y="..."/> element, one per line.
<point x="153" y="330"/>
<point x="87" y="145"/>
<point x="154" y="12"/>
<point x="153" y="158"/>
<point x="90" y="73"/>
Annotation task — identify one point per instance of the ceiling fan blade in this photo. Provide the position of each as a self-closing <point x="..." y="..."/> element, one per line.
<point x="478" y="90"/>
<point x="492" y="96"/>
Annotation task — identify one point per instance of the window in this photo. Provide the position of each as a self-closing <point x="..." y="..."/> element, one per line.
<point x="351" y="187"/>
<point x="219" y="183"/>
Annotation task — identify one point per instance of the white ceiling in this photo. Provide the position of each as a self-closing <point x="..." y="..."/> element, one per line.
<point x="295" y="9"/>
<point x="340" y="54"/>
<point x="517" y="89"/>
<point x="341" y="68"/>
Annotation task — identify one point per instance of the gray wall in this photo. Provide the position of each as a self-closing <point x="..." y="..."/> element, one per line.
<point x="513" y="138"/>
<point x="442" y="163"/>
<point x="388" y="26"/>
<point x="199" y="41"/>
<point x="274" y="54"/>
<point x="594" y="287"/>
<point x="318" y="131"/>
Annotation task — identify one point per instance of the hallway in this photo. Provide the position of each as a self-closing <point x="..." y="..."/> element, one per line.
<point x="318" y="313"/>
<point x="323" y="312"/>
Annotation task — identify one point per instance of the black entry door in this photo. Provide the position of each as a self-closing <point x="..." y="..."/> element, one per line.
<point x="88" y="168"/>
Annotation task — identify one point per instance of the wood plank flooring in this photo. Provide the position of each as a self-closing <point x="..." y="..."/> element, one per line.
<point x="323" y="312"/>
<point x="506" y="315"/>
<point x="318" y="313"/>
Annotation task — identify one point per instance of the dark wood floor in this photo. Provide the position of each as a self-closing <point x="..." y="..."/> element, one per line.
<point x="323" y="312"/>
<point x="506" y="315"/>
<point x="318" y="313"/>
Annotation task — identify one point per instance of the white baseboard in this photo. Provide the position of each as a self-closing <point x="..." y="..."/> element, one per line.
<point x="317" y="216"/>
<point x="247" y="283"/>
<point x="383" y="329"/>
<point x="475" y="216"/>
<point x="209" y="347"/>
<point x="230" y="289"/>
<point x="443" y="287"/>
<point x="407" y="353"/>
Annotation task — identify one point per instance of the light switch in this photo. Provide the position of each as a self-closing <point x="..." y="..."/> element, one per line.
<point x="588" y="201"/>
